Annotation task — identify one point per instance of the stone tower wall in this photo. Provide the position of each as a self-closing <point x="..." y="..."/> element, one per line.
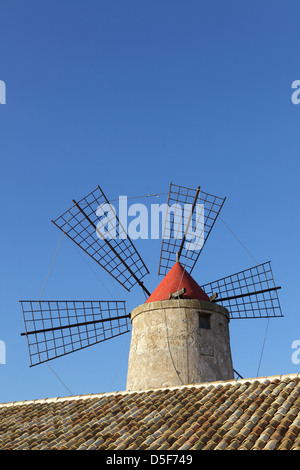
<point x="177" y="342"/>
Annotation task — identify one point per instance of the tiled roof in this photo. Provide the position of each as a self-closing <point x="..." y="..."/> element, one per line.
<point x="245" y="414"/>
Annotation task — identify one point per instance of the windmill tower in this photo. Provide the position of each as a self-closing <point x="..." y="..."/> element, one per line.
<point x="180" y="334"/>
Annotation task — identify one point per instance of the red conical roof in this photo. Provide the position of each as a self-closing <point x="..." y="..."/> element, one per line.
<point x="177" y="278"/>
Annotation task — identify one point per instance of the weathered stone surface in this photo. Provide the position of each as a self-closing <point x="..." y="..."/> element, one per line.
<point x="177" y="342"/>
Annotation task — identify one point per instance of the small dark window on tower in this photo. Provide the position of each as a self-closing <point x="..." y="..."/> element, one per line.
<point x="204" y="321"/>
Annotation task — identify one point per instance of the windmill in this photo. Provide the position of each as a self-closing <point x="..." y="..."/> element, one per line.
<point x="55" y="328"/>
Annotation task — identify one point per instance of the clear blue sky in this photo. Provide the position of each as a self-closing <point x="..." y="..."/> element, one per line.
<point x="131" y="95"/>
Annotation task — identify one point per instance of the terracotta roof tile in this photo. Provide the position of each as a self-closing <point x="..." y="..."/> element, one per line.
<point x="259" y="414"/>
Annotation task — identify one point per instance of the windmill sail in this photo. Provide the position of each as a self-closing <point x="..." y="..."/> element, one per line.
<point x="247" y="294"/>
<point x="116" y="254"/>
<point x="57" y="328"/>
<point x="191" y="214"/>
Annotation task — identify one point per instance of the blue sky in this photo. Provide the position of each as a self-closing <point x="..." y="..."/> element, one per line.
<point x="131" y="96"/>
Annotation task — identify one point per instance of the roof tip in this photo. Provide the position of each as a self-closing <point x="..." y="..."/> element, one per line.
<point x="175" y="280"/>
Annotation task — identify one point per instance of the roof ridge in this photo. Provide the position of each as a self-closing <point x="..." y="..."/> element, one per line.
<point x="128" y="392"/>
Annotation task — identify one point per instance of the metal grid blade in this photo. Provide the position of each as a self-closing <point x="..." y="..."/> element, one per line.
<point x="115" y="254"/>
<point x="57" y="328"/>
<point x="248" y="294"/>
<point x="190" y="217"/>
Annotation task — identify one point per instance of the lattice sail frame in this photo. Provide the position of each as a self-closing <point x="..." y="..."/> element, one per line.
<point x="115" y="254"/>
<point x="57" y="328"/>
<point x="251" y="293"/>
<point x="180" y="226"/>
